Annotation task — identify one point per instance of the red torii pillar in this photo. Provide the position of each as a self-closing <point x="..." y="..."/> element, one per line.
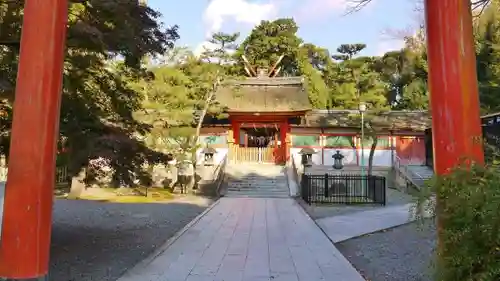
<point x="454" y="93"/>
<point x="27" y="214"/>
<point x="456" y="123"/>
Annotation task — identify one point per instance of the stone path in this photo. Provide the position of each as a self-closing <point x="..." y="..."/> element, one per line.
<point x="344" y="227"/>
<point x="249" y="239"/>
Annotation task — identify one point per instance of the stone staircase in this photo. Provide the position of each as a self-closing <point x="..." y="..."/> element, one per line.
<point x="420" y="174"/>
<point x="256" y="180"/>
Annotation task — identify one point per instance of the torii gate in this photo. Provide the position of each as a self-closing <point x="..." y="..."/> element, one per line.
<point x="25" y="237"/>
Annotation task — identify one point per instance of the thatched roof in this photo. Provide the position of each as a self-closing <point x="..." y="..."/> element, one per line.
<point x="387" y="120"/>
<point x="285" y="94"/>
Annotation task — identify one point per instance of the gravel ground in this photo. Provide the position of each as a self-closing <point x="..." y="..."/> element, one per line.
<point x="93" y="241"/>
<point x="401" y="253"/>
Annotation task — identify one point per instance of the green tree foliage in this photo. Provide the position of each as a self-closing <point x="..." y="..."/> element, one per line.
<point x="98" y="100"/>
<point x="467" y="205"/>
<point x="314" y="82"/>
<point x="181" y="94"/>
<point x="272" y="39"/>
<point x="404" y="74"/>
<point x="268" y="41"/>
<point x="488" y="57"/>
<point x="357" y="81"/>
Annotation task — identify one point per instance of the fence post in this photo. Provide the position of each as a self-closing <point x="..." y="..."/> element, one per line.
<point x="326" y="185"/>
<point x="384" y="191"/>
<point x="370" y="190"/>
<point x="303" y="189"/>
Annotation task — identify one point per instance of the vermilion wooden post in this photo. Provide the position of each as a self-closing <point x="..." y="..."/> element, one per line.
<point x="284" y="149"/>
<point x="236" y="126"/>
<point x="456" y="124"/>
<point x="27" y="216"/>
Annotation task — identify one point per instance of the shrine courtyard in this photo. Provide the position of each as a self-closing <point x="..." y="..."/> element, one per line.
<point x="102" y="241"/>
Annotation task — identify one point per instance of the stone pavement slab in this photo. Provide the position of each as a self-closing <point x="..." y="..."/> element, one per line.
<point x="344" y="227"/>
<point x="250" y="239"/>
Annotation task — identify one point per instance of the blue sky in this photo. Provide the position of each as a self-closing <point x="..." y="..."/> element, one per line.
<point x="321" y="22"/>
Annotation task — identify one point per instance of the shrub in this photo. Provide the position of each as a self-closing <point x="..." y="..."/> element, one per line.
<point x="469" y="215"/>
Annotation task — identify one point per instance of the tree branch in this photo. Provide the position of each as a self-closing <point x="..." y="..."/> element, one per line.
<point x="357" y="5"/>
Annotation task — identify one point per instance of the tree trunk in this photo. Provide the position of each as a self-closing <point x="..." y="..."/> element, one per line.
<point x="78" y="184"/>
<point x="208" y="101"/>
<point x="372" y="154"/>
<point x="192" y="143"/>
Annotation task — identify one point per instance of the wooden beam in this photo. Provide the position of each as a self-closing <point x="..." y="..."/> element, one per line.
<point x="249" y="66"/>
<point x="271" y="70"/>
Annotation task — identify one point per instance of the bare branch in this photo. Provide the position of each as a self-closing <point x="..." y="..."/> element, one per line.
<point x="357" y="5"/>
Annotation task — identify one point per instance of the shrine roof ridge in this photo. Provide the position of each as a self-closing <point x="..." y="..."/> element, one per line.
<point x="403" y="112"/>
<point x="270" y="81"/>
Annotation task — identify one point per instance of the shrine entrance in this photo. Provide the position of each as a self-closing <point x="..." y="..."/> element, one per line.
<point x="260" y="143"/>
<point x="261" y="139"/>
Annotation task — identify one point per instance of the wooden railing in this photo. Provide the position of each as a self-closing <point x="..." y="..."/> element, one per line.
<point x="239" y="154"/>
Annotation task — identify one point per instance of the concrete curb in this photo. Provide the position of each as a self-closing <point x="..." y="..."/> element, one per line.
<point x="145" y="262"/>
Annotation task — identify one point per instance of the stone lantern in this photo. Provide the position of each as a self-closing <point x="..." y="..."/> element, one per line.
<point x="337" y="160"/>
<point x="209" y="153"/>
<point x="307" y="156"/>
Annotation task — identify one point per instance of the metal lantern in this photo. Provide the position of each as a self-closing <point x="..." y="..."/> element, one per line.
<point x="208" y="153"/>
<point x="337" y="160"/>
<point x="307" y="156"/>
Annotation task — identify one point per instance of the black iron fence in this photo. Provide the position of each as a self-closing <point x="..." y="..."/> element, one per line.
<point x="343" y="189"/>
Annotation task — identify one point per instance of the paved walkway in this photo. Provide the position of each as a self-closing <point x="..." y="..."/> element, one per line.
<point x="249" y="239"/>
<point x="345" y="227"/>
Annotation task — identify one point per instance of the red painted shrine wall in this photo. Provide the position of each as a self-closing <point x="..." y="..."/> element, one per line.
<point x="411" y="150"/>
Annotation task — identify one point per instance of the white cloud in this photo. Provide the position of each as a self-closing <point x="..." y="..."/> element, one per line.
<point x="240" y="11"/>
<point x="388" y="45"/>
<point x="203" y="47"/>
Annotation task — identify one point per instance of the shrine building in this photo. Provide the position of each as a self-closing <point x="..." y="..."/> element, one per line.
<point x="270" y="118"/>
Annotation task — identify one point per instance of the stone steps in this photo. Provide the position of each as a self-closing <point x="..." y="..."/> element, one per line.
<point x="257" y="189"/>
<point x="256" y="181"/>
<point x="257" y="195"/>
<point x="420" y="174"/>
